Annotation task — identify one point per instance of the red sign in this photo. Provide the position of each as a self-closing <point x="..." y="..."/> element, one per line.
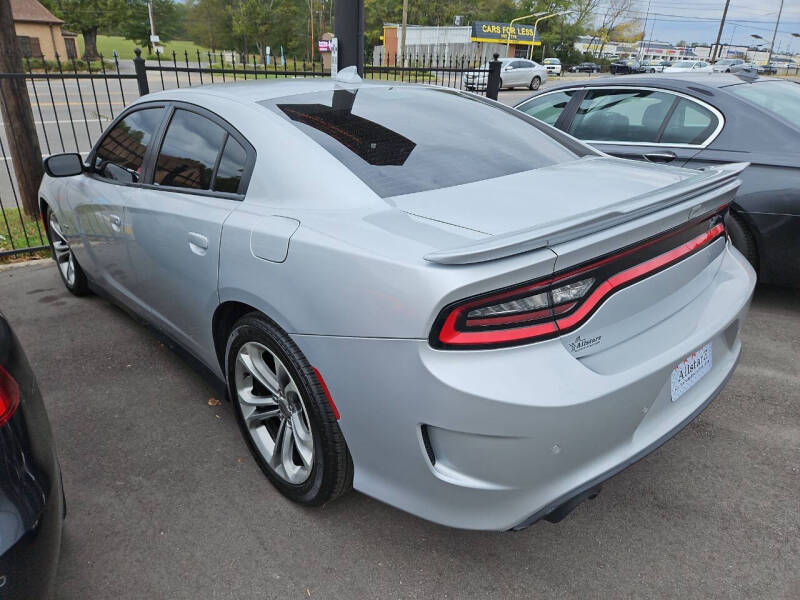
<point x="324" y="46"/>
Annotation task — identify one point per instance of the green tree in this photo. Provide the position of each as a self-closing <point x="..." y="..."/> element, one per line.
<point x="252" y="20"/>
<point x="135" y="21"/>
<point x="88" y="17"/>
<point x="209" y="23"/>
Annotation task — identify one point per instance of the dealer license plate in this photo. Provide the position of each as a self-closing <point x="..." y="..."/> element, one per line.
<point x="689" y="371"/>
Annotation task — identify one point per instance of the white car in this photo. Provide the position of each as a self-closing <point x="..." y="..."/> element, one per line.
<point x="553" y="66"/>
<point x="687" y="66"/>
<point x="514" y="72"/>
<point x="655" y="66"/>
<point x="728" y="65"/>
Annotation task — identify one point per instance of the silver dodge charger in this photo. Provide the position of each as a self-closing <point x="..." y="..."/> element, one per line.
<point x="413" y="291"/>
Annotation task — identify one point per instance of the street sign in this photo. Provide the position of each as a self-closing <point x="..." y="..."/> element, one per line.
<point x="155" y="39"/>
<point x="324" y="46"/>
<point x="334" y="44"/>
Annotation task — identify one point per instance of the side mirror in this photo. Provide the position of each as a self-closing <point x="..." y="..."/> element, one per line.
<point x="64" y="165"/>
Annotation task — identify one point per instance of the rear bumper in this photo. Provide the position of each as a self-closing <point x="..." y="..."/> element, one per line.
<point x="499" y="438"/>
<point x="28" y="568"/>
<point x="571" y="500"/>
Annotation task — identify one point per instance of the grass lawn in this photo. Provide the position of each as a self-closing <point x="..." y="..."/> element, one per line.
<point x="106" y="44"/>
<point x="19" y="224"/>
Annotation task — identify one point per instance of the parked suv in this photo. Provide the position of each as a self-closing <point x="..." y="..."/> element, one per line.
<point x="553" y="66"/>
<point x="654" y="66"/>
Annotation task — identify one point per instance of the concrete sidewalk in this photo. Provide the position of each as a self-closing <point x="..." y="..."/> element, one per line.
<point x="165" y="501"/>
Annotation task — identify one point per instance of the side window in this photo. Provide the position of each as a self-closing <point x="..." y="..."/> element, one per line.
<point x="120" y="155"/>
<point x="689" y="124"/>
<point x="189" y="151"/>
<point x="549" y="107"/>
<point x="621" y="115"/>
<point x="231" y="167"/>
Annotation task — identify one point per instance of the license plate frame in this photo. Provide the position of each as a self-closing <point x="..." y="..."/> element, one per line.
<point x="690" y="370"/>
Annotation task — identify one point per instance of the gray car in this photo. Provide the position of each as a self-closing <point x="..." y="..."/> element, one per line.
<point x="413" y="291"/>
<point x="699" y="121"/>
<point x="730" y="65"/>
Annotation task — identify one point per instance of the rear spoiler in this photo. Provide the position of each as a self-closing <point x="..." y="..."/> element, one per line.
<point x="711" y="184"/>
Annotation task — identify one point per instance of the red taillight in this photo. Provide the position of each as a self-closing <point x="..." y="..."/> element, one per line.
<point x="9" y="396"/>
<point x="547" y="308"/>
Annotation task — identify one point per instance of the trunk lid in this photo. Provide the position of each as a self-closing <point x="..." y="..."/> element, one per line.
<point x="545" y="195"/>
<point x="561" y="203"/>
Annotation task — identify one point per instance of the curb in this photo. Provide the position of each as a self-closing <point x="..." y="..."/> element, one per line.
<point x="24" y="263"/>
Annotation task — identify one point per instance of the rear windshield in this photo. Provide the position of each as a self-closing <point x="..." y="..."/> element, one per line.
<point x="401" y="140"/>
<point x="781" y="98"/>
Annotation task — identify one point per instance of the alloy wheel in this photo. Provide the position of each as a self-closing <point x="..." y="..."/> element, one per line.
<point x="63" y="254"/>
<point x="274" y="412"/>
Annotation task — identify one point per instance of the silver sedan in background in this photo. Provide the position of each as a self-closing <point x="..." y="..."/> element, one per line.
<point x="514" y="72"/>
<point x="413" y="291"/>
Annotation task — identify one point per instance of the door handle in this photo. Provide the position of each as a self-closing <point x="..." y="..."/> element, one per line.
<point x="116" y="222"/>
<point x="198" y="243"/>
<point x="660" y="157"/>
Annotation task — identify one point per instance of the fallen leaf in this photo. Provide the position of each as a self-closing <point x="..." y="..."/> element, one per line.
<point x="213" y="402"/>
<point x="240" y="460"/>
<point x="308" y="592"/>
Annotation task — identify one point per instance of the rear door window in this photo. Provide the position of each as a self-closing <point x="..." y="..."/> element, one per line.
<point x="120" y="156"/>
<point x="621" y="115"/>
<point x="231" y="167"/>
<point x="548" y="107"/>
<point x="189" y="151"/>
<point x="690" y="123"/>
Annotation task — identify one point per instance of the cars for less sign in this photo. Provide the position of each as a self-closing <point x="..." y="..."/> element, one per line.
<point x="518" y="33"/>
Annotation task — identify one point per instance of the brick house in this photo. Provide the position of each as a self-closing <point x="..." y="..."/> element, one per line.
<point x="40" y="33"/>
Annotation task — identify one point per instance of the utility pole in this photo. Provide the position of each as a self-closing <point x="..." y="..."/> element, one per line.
<point x="644" y="32"/>
<point x="23" y="141"/>
<point x="311" y="15"/>
<point x="150" y="15"/>
<point x="349" y="27"/>
<point x="774" y="33"/>
<point x="152" y="26"/>
<point x="721" y="27"/>
<point x="403" y="33"/>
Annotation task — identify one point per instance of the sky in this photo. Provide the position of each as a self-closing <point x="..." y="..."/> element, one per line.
<point x="698" y="21"/>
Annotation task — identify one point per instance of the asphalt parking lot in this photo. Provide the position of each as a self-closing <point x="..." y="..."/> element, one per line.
<point x="165" y="501"/>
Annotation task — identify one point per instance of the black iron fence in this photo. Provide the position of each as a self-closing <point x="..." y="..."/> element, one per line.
<point x="460" y="72"/>
<point x="73" y="102"/>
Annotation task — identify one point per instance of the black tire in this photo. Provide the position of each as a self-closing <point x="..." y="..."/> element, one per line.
<point x="332" y="469"/>
<point x="79" y="285"/>
<point x="535" y="83"/>
<point x="743" y="240"/>
<point x="652" y="71"/>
